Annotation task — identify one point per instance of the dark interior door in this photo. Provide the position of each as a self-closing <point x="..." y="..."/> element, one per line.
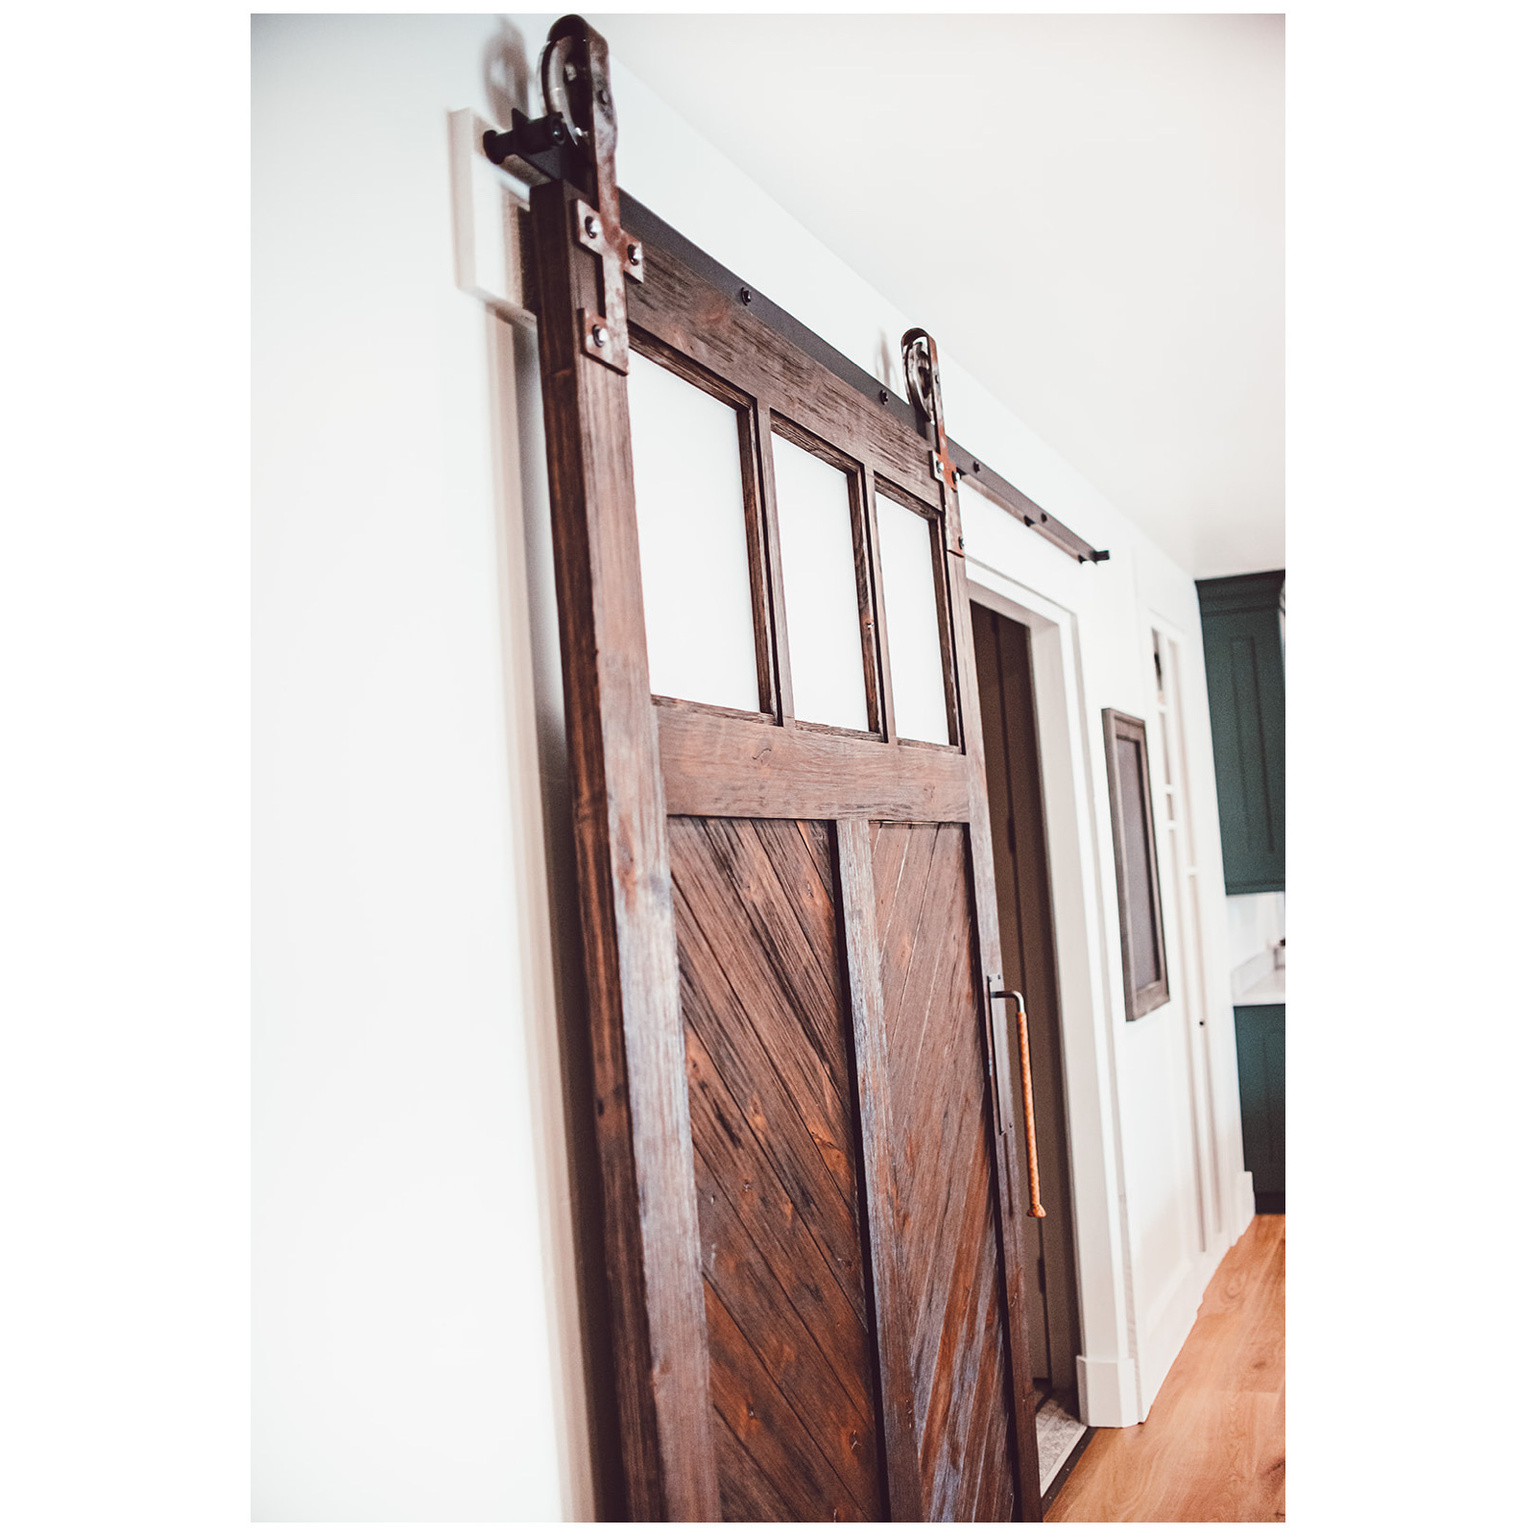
<point x="1005" y="685"/>
<point x="805" y="1098"/>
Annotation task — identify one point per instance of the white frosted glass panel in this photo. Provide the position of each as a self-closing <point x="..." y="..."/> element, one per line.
<point x="693" y="540"/>
<point x="821" y="596"/>
<point x="912" y="619"/>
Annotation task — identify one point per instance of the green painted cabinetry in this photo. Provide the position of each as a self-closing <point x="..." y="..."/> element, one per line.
<point x="1261" y="1087"/>
<point x="1240" y="618"/>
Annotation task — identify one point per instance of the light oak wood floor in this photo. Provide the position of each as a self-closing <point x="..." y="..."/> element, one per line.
<point x="1213" y="1446"/>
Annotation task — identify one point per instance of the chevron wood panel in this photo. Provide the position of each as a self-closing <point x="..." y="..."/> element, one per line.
<point x="776" y="1159"/>
<point x="945" y="1193"/>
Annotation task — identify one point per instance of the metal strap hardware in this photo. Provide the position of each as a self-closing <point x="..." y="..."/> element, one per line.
<point x="574" y="72"/>
<point x="580" y="126"/>
<point x="920" y="359"/>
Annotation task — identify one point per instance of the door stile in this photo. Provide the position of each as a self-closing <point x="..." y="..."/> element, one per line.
<point x="861" y="509"/>
<point x="1006" y="1112"/>
<point x="882" y="644"/>
<point x="762" y="538"/>
<point x="945" y="595"/>
<point x="872" y="1074"/>
<point x="762" y="432"/>
<point x="645" y="1145"/>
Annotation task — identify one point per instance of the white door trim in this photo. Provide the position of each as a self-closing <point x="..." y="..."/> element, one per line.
<point x="1106" y="1369"/>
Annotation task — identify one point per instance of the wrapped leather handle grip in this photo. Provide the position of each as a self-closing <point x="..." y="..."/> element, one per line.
<point x="1031" y="1155"/>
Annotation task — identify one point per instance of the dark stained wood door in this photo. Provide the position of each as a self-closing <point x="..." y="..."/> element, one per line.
<point x="805" y="1099"/>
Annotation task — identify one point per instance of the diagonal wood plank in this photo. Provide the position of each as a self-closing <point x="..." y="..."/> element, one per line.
<point x="776" y="1169"/>
<point x="784" y="1074"/>
<point x="762" y="1440"/>
<point x="945" y="1191"/>
<point x="738" y="1098"/>
<point x="759" y="1225"/>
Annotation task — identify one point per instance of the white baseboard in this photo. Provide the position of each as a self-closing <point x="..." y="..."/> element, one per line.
<point x="1246" y="1204"/>
<point x="1107" y="1389"/>
<point x="1106" y="1392"/>
<point x="1168" y="1332"/>
<point x="1164" y="1344"/>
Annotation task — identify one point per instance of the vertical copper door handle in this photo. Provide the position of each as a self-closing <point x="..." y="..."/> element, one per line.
<point x="1031" y="1155"/>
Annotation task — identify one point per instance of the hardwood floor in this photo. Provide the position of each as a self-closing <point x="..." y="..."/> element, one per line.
<point x="1213" y="1447"/>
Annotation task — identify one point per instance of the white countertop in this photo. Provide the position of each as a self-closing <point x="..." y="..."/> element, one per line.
<point x="1269" y="988"/>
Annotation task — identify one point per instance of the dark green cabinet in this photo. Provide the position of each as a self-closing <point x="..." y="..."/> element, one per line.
<point x="1261" y="1088"/>
<point x="1240" y="619"/>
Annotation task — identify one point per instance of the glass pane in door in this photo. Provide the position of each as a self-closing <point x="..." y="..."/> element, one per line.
<point x="821" y="595"/>
<point x="912" y="622"/>
<point x="692" y="517"/>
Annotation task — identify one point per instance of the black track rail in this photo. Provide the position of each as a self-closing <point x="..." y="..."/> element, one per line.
<point x="561" y="161"/>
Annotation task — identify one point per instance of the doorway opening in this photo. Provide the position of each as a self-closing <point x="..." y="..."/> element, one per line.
<point x="1011" y="744"/>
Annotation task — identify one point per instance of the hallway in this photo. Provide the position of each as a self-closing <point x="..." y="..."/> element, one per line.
<point x="1213" y="1447"/>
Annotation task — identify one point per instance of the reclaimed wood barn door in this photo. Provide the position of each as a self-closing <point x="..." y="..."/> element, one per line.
<point x="805" y="1098"/>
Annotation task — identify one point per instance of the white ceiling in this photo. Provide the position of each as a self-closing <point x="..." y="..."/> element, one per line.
<point x="1086" y="211"/>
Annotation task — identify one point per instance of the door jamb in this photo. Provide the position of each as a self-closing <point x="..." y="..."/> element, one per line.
<point x="1107" y="1372"/>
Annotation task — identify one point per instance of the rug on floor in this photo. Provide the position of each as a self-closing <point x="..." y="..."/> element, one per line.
<point x="1056" y="1432"/>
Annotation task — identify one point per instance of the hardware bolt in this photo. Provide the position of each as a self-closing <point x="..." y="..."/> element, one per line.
<point x="570" y="72"/>
<point x="885" y="396"/>
<point x="600" y="335"/>
<point x="975" y="466"/>
<point x="602" y="94"/>
<point x="589" y="224"/>
<point x="746" y="295"/>
<point x="634" y="255"/>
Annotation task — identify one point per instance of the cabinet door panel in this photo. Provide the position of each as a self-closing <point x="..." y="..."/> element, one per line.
<point x="1240" y="619"/>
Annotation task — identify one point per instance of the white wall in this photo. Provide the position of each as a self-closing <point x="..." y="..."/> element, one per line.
<point x="417" y="1347"/>
<point x="1255" y="923"/>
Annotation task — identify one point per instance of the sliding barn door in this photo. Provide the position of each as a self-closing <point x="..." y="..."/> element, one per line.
<point x="806" y="1101"/>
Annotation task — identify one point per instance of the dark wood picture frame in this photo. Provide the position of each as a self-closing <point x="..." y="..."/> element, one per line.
<point x="1137" y="881"/>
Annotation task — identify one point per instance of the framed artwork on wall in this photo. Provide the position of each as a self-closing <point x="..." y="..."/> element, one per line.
<point x="1143" y="954"/>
